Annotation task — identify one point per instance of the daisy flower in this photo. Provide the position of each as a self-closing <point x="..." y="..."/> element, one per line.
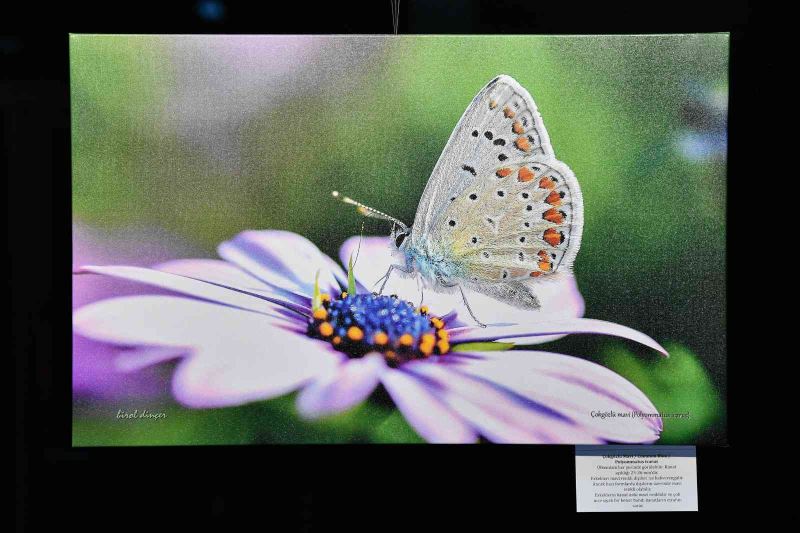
<point x="276" y="315"/>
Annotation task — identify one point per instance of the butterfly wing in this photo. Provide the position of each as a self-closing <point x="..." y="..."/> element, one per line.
<point x="522" y="222"/>
<point x="501" y="125"/>
<point x="518" y="218"/>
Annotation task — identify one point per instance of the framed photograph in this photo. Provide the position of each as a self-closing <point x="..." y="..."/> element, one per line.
<point x="297" y="239"/>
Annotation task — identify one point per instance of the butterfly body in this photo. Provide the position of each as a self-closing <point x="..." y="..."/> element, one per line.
<point x="499" y="213"/>
<point x="434" y="261"/>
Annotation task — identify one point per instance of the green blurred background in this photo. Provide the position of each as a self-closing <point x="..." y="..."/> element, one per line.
<point x="202" y="137"/>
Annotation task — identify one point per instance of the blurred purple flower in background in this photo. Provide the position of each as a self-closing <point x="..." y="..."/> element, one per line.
<point x="275" y="316"/>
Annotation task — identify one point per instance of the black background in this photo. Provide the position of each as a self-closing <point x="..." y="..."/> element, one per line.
<point x="288" y="488"/>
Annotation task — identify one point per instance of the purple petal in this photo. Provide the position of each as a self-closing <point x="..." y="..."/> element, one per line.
<point x="227" y="275"/>
<point x="284" y="259"/>
<point x="576" y="388"/>
<point x="236" y="356"/>
<point x="199" y="289"/>
<point x="524" y="332"/>
<point x="94" y="374"/>
<point x="266" y="364"/>
<point x="166" y="321"/>
<point x="497" y="413"/>
<point x="213" y="271"/>
<point x="430" y="418"/>
<point x="351" y="383"/>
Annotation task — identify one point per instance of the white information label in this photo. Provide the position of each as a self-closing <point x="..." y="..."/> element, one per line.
<point x="635" y="478"/>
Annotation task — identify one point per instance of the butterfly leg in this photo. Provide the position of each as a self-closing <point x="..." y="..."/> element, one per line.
<point x="463" y="297"/>
<point x="466" y="303"/>
<point x="385" y="277"/>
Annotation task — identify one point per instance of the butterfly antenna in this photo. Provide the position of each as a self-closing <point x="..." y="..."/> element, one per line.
<point x="368" y="211"/>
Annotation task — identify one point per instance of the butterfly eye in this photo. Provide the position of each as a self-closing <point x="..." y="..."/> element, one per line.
<point x="399" y="239"/>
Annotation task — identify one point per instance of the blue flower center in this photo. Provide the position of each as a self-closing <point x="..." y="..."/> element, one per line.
<point x="358" y="324"/>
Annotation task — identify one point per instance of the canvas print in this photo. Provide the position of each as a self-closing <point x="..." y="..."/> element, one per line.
<point x="398" y="239"/>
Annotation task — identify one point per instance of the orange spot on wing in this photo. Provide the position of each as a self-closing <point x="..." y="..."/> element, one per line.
<point x="554" y="198"/>
<point x="517" y="127"/>
<point x="544" y="261"/>
<point x="525" y="174"/>
<point x="535" y="274"/>
<point x="503" y="172"/>
<point x="552" y="215"/>
<point x="492" y="104"/>
<point x="523" y="144"/>
<point x="547" y="183"/>
<point x="508" y="112"/>
<point x="553" y="237"/>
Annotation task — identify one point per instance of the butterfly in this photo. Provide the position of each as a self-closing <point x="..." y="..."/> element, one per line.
<point x="500" y="213"/>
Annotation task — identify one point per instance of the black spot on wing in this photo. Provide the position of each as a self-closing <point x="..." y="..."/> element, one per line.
<point x="469" y="169"/>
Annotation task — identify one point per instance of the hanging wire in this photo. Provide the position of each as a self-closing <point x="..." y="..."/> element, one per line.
<point x="395" y="15"/>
